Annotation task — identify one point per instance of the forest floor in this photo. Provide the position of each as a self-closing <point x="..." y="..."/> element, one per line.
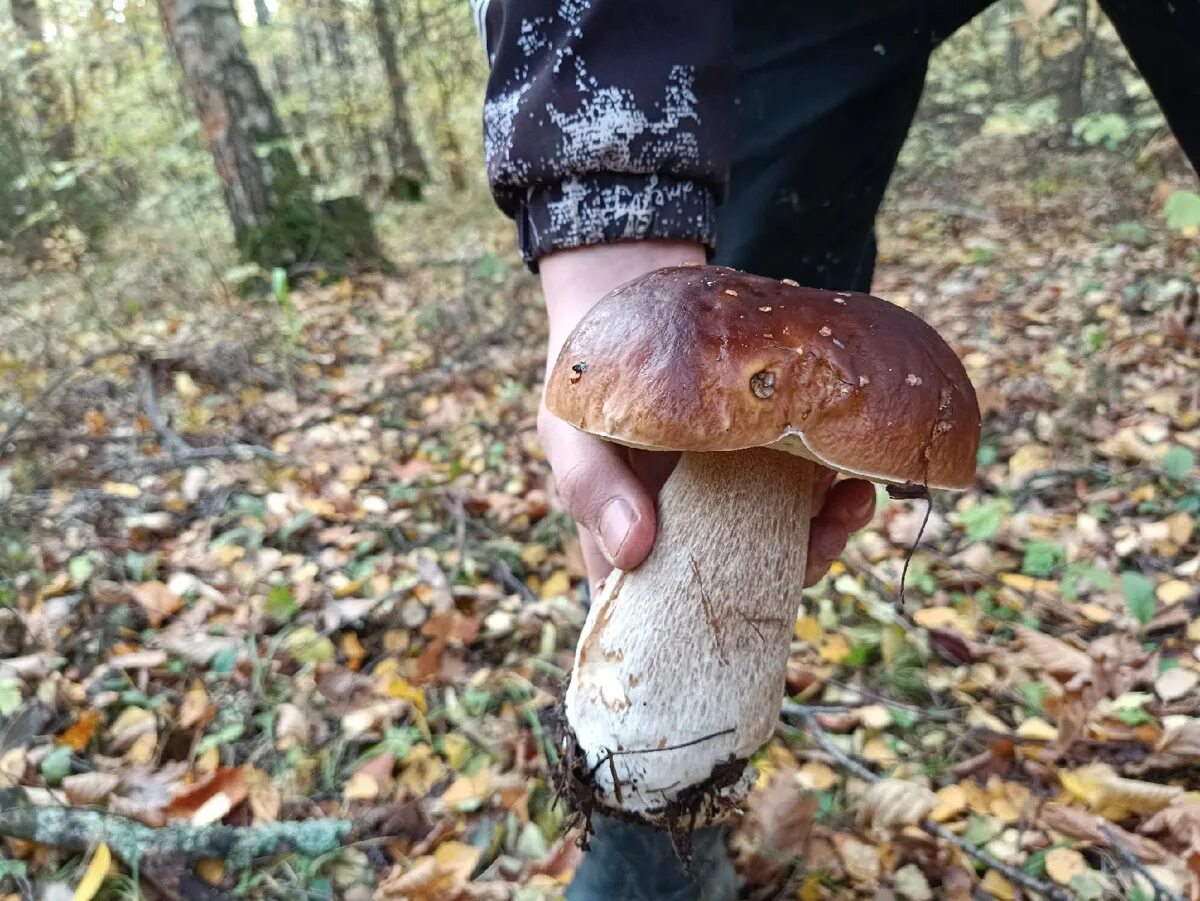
<point x="296" y="557"/>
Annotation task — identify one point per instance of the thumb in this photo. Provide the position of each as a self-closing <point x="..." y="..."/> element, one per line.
<point x="600" y="491"/>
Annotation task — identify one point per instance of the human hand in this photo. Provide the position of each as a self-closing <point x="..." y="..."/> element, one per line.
<point x="609" y="489"/>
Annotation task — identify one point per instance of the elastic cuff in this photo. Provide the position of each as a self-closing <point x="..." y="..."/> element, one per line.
<point x="604" y="207"/>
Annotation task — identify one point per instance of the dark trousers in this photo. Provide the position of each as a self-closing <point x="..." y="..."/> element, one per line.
<point x="825" y="95"/>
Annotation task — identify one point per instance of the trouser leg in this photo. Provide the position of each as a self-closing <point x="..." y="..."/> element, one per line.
<point x="825" y="95"/>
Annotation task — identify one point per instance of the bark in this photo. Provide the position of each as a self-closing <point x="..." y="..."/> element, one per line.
<point x="275" y="219"/>
<point x="409" y="171"/>
<point x="49" y="99"/>
<point x="1070" y="95"/>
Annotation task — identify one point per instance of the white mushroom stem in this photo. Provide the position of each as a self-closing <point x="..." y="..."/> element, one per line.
<point x="681" y="664"/>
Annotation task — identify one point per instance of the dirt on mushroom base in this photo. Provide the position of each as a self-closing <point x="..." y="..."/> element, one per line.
<point x="703" y="804"/>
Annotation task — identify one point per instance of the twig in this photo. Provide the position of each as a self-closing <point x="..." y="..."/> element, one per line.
<point x="1129" y="859"/>
<point x="1011" y="873"/>
<point x="51" y="387"/>
<point x="158" y="420"/>
<point x="238" y="453"/>
<point x="134" y="843"/>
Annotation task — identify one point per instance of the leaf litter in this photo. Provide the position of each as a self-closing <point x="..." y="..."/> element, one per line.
<point x="373" y="622"/>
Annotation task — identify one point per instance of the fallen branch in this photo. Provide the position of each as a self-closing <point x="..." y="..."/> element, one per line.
<point x="225" y="453"/>
<point x="167" y="436"/>
<point x="1129" y="859"/>
<point x="136" y="844"/>
<point x="49" y="389"/>
<point x="844" y="760"/>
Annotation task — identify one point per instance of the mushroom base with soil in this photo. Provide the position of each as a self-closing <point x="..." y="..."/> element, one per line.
<point x="680" y="668"/>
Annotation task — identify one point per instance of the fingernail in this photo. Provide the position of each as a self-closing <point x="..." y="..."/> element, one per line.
<point x="863" y="507"/>
<point x="616" y="520"/>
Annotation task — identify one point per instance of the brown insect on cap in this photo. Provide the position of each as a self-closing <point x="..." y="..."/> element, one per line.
<point x="705" y="358"/>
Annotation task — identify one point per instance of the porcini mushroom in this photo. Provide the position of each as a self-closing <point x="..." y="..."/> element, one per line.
<point x="680" y="668"/>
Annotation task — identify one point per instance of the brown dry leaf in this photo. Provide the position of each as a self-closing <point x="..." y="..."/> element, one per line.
<point x="1054" y="656"/>
<point x="85" y="789"/>
<point x="891" y="803"/>
<point x="780" y="816"/>
<point x="1179" y="821"/>
<point x="132" y="723"/>
<point x="1082" y="825"/>
<point x="1064" y="864"/>
<point x="860" y="859"/>
<point x="264" y="796"/>
<point x="211" y="799"/>
<point x="371" y="779"/>
<point x="997" y="886"/>
<point x="156" y="600"/>
<point x="196" y="709"/>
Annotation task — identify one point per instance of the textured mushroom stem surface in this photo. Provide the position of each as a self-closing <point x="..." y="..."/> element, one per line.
<point x="680" y="669"/>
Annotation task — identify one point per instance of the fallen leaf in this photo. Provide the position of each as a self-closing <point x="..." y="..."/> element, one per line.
<point x="1064" y="864"/>
<point x="209" y="800"/>
<point x="891" y="803"/>
<point x="93" y="877"/>
<point x="1175" y="683"/>
<point x="156" y="600"/>
<point x="86" y="789"/>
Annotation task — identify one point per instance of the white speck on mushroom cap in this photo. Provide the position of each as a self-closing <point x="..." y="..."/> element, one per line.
<point x="839" y="300"/>
<point x="913" y="379"/>
<point x="863" y="381"/>
<point x="731" y="292"/>
<point x="825" y="331"/>
<point x="764" y="309"/>
<point x="789" y="281"/>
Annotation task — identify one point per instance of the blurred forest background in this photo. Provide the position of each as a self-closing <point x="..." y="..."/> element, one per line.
<point x="276" y="543"/>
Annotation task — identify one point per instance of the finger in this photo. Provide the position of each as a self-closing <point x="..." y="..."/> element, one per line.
<point x="850" y="502"/>
<point x="826" y="541"/>
<point x="600" y="491"/>
<point x="821" y="485"/>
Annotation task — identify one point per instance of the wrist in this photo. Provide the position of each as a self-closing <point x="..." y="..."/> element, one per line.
<point x="574" y="280"/>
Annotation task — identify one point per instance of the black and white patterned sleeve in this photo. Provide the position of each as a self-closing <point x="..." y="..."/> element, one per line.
<point x="607" y="120"/>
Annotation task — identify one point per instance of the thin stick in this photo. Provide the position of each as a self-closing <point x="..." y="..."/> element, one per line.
<point x="169" y="438"/>
<point x="1129" y="859"/>
<point x="51" y="387"/>
<point x="936" y="829"/>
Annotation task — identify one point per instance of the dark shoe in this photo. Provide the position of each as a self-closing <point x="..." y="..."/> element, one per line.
<point x="630" y="862"/>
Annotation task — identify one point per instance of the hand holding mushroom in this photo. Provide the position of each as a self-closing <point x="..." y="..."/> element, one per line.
<point x="680" y="668"/>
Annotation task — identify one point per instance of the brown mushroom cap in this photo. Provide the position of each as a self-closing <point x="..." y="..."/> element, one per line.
<point x="705" y="358"/>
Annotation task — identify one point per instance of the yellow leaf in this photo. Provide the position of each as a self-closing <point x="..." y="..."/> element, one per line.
<point x="186" y="387"/>
<point x="1037" y="729"/>
<point x="891" y="803"/>
<point x="951" y="801"/>
<point x="469" y="791"/>
<point x="1095" y="613"/>
<point x="96" y="871"/>
<point x="399" y="687"/>
<point x="211" y="871"/>
<point x="835" y="649"/>
<point x="1028" y="459"/>
<point x="457" y="858"/>
<point x="1064" y="864"/>
<point x="997" y="886"/>
<point x="1173" y="591"/>
<point x="122" y="489"/>
<point x="808" y="629"/>
<point x="817" y="776"/>
<point x="557" y="585"/>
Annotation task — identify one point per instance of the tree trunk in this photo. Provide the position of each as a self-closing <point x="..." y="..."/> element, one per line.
<point x="276" y="220"/>
<point x="1070" y="95"/>
<point x="409" y="171"/>
<point x="54" y="119"/>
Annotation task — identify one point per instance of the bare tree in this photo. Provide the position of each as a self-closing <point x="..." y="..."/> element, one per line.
<point x="275" y="218"/>
<point x="409" y="171"/>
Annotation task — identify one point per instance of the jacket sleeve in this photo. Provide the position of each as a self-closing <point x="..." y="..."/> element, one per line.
<point x="607" y="120"/>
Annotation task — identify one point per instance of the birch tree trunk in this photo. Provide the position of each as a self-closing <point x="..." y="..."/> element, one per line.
<point x="276" y="220"/>
<point x="409" y="171"/>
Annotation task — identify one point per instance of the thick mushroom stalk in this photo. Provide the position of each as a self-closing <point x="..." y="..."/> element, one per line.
<point x="681" y="665"/>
